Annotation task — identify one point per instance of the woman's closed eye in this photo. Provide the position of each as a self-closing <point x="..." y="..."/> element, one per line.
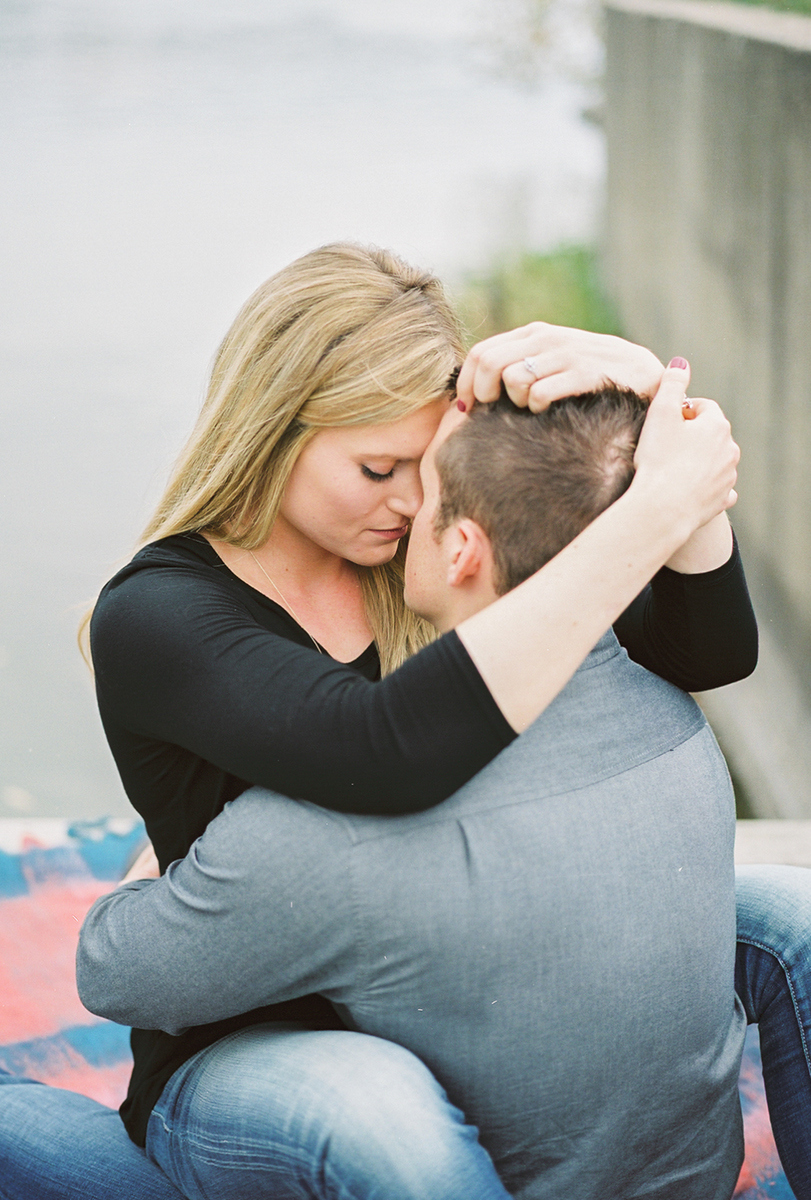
<point x="375" y="475"/>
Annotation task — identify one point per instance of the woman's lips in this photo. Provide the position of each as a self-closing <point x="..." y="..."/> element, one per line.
<point x="391" y="535"/>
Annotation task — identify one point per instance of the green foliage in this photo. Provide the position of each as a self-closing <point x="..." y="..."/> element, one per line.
<point x="562" y="287"/>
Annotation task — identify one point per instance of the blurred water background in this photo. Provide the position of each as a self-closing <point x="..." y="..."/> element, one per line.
<point x="159" y="159"/>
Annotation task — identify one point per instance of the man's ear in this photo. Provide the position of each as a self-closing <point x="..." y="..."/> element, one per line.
<point x="471" y="554"/>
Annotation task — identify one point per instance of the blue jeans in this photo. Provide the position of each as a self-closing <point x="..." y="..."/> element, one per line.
<point x="291" y="1112"/>
<point x="270" y="1111"/>
<point x="58" y="1145"/>
<point x="773" y="980"/>
<point x="273" y="1112"/>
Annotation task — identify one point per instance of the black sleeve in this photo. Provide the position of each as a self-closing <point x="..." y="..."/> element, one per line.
<point x="179" y="661"/>
<point x="697" y="631"/>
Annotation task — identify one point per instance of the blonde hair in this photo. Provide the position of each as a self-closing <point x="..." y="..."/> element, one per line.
<point x="345" y="335"/>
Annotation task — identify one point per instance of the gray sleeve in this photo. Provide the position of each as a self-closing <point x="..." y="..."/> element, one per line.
<point x="259" y="911"/>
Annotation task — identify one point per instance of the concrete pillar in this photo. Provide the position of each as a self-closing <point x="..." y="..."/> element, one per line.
<point x="708" y="255"/>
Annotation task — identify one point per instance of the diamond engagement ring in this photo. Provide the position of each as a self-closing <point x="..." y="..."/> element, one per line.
<point x="529" y="363"/>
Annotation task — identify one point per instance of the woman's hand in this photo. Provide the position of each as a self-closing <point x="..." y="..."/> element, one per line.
<point x="564" y="362"/>
<point x="145" y="866"/>
<point x="688" y="467"/>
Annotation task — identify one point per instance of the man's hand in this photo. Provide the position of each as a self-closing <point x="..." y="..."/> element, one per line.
<point x="540" y="363"/>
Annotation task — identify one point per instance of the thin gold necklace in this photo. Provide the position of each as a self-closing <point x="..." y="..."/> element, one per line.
<point x="285" y="602"/>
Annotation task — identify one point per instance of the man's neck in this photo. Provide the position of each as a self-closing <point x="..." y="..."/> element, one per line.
<point x="464" y="602"/>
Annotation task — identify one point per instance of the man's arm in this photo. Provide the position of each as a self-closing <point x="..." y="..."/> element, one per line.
<point x="257" y="912"/>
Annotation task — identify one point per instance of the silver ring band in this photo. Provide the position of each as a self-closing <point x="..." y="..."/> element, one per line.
<point x="529" y="364"/>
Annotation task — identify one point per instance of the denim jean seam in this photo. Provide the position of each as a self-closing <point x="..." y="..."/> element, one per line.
<point x="245" y="1153"/>
<point x="770" y="950"/>
<point x="160" y="1113"/>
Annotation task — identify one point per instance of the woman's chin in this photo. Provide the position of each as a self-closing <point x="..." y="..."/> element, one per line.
<point x="374" y="556"/>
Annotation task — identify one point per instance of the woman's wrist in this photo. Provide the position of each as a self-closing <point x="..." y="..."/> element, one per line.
<point x="705" y="550"/>
<point x="658" y="524"/>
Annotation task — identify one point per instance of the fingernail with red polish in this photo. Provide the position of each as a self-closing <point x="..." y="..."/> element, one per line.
<point x="680" y="363"/>
<point x="460" y="404"/>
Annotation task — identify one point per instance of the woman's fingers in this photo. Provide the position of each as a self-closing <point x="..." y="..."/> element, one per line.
<point x="145" y="866"/>
<point x="554" y="387"/>
<point x="540" y="363"/>
<point x="686" y="457"/>
<point x="673" y="385"/>
<point x="539" y="379"/>
<point x="690" y="466"/>
<point x="482" y="371"/>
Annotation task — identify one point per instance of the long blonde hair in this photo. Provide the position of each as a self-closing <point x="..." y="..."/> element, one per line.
<point x="345" y="335"/>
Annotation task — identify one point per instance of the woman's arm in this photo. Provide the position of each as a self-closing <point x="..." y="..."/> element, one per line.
<point x="695" y="629"/>
<point x="182" y="667"/>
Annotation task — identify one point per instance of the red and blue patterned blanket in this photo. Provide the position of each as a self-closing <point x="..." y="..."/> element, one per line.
<point x="51" y="871"/>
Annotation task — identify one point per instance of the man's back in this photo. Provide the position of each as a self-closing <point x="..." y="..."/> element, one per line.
<point x="556" y="941"/>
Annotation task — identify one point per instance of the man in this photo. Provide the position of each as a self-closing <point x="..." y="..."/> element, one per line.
<point x="556" y="941"/>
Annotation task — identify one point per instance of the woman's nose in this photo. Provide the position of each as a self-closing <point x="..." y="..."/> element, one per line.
<point x="407" y="497"/>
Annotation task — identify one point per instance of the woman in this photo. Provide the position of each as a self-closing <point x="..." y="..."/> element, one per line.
<point x="239" y="649"/>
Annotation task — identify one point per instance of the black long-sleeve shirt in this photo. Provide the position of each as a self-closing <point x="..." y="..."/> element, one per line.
<point x="205" y="687"/>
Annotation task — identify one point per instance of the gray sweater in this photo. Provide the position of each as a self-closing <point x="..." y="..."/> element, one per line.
<point x="556" y="941"/>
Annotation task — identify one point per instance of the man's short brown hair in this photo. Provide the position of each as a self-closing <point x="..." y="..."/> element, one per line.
<point x="534" y="481"/>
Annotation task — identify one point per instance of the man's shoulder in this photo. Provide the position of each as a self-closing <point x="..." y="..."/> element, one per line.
<point x="611" y="718"/>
